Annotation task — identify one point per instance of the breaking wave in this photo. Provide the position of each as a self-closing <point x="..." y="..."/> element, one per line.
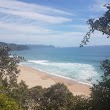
<point x="85" y="73"/>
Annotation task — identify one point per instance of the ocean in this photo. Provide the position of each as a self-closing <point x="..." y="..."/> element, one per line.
<point x="79" y="64"/>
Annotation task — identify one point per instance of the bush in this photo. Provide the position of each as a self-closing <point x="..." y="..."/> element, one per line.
<point x="7" y="104"/>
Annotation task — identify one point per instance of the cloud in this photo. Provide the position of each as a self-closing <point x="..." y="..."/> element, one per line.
<point x="36" y="16"/>
<point x="23" y="6"/>
<point x="60" y="39"/>
<point x="34" y="12"/>
<point x="98" y="6"/>
<point x="29" y="23"/>
<point x="27" y="29"/>
<point x="28" y="18"/>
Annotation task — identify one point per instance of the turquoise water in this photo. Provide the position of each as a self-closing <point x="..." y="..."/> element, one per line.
<point x="80" y="64"/>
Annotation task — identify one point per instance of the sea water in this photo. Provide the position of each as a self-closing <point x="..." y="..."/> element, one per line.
<point x="79" y="64"/>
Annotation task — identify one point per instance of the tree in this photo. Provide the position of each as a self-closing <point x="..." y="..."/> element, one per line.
<point x="7" y="104"/>
<point x="35" y="97"/>
<point x="105" y="66"/>
<point x="21" y="94"/>
<point x="102" y="24"/>
<point x="8" y="68"/>
<point x="82" y="103"/>
<point x="57" y="97"/>
<point x="100" y="96"/>
<point x="100" y="92"/>
<point x="8" y="74"/>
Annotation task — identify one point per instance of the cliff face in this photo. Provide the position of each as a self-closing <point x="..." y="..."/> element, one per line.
<point x="15" y="46"/>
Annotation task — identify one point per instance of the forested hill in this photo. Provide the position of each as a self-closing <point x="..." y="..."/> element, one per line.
<point x="13" y="46"/>
<point x="41" y="46"/>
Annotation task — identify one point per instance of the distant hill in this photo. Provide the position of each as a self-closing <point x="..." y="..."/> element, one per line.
<point x="41" y="46"/>
<point x="13" y="46"/>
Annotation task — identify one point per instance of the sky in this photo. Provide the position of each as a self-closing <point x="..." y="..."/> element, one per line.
<point x="61" y="23"/>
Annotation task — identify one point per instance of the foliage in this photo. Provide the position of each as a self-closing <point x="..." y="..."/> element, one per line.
<point x="100" y="92"/>
<point x="100" y="96"/>
<point x="20" y="94"/>
<point x="7" y="104"/>
<point x="8" y="67"/>
<point x="57" y="97"/>
<point x="9" y="72"/>
<point x="35" y="97"/>
<point x="82" y="103"/>
<point x="102" y="24"/>
<point x="14" y="47"/>
<point x="105" y="66"/>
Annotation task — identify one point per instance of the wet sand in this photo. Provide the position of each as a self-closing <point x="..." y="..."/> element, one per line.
<point x="34" y="77"/>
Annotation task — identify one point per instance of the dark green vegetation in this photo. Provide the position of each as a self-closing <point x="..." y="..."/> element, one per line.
<point x="15" y="46"/>
<point x="7" y="103"/>
<point x="102" y="24"/>
<point x="17" y="96"/>
<point x="40" y="46"/>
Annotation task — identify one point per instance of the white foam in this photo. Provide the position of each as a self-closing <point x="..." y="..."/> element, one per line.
<point x="89" y="84"/>
<point x="80" y="72"/>
<point x="44" y="62"/>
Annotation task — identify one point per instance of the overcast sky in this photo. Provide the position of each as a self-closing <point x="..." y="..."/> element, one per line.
<point x="51" y="22"/>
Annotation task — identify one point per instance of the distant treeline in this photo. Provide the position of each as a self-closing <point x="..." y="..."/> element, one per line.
<point x="13" y="46"/>
<point x="41" y="46"/>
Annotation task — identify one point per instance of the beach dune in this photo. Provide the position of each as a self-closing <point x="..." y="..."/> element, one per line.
<point x="34" y="77"/>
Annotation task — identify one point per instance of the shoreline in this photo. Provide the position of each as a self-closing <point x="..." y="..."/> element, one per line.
<point x="66" y="78"/>
<point x="34" y="77"/>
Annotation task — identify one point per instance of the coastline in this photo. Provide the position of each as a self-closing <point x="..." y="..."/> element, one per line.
<point x="34" y="77"/>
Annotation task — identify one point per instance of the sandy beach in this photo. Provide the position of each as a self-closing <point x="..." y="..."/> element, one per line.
<point x="34" y="77"/>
